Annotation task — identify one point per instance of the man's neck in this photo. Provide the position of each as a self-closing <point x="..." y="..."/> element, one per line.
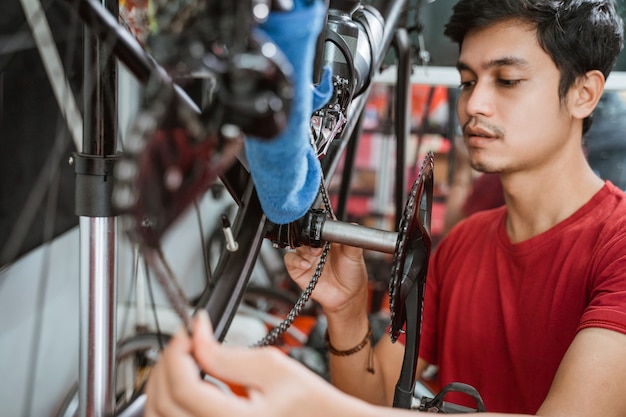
<point x="539" y="200"/>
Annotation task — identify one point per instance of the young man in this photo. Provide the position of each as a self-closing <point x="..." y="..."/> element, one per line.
<point x="527" y="303"/>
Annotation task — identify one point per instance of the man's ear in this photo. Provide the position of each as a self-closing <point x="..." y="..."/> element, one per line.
<point x="586" y="93"/>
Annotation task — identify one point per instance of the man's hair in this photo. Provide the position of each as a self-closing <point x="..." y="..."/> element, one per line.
<point x="579" y="35"/>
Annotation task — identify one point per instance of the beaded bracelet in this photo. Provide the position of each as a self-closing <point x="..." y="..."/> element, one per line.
<point x="353" y="350"/>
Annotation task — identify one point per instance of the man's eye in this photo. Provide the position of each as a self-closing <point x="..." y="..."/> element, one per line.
<point x="508" y="83"/>
<point x="466" y="84"/>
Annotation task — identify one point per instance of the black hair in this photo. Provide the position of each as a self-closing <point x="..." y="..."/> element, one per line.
<point x="579" y="35"/>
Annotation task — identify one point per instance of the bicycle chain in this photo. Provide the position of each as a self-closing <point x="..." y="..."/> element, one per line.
<point x="279" y="330"/>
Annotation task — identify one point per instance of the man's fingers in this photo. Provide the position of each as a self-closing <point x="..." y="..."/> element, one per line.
<point x="176" y="387"/>
<point x="300" y="261"/>
<point x="161" y="402"/>
<point x="201" y="327"/>
<point x="232" y="364"/>
<point x="305" y="252"/>
<point x="309" y="251"/>
<point x="352" y="252"/>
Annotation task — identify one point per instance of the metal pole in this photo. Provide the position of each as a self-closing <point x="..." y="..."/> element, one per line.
<point x="98" y="228"/>
<point x="98" y="248"/>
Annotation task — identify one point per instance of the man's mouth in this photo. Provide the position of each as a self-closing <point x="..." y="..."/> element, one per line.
<point x="480" y="132"/>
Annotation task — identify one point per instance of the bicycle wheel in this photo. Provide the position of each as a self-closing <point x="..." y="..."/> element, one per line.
<point x="136" y="355"/>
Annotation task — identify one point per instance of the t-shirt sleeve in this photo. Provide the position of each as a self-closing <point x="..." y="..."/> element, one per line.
<point x="607" y="303"/>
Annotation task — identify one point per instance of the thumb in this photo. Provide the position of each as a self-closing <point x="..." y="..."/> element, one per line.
<point x="353" y="253"/>
<point x="242" y="366"/>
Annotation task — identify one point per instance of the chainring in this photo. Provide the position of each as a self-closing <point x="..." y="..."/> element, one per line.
<point x="413" y="245"/>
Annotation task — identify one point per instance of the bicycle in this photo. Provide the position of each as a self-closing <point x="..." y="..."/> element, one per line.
<point x="410" y="244"/>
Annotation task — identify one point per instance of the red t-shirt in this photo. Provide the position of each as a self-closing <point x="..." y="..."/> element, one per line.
<point x="500" y="316"/>
<point x="486" y="194"/>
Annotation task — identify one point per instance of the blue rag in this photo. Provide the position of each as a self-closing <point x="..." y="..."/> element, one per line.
<point x="285" y="170"/>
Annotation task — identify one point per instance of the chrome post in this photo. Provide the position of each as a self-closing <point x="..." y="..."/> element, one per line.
<point x="98" y="226"/>
<point x="98" y="299"/>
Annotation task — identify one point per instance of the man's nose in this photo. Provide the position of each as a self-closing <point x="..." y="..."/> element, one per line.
<point x="479" y="100"/>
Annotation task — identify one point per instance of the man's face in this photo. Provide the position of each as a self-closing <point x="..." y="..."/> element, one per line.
<point x="509" y="107"/>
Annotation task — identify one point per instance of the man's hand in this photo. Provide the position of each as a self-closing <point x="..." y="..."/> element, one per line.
<point x="274" y="384"/>
<point x="342" y="288"/>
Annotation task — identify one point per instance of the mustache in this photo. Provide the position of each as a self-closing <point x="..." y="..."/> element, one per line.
<point x="489" y="128"/>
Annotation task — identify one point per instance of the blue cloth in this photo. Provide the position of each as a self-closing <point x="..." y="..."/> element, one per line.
<point x="285" y="170"/>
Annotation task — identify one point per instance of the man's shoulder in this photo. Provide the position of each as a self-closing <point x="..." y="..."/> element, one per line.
<point x="609" y="216"/>
<point x="617" y="193"/>
<point x="610" y="207"/>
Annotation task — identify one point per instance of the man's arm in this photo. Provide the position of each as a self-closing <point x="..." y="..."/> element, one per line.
<point x="591" y="378"/>
<point x="342" y="292"/>
<point x="275" y="385"/>
<point x="349" y="373"/>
